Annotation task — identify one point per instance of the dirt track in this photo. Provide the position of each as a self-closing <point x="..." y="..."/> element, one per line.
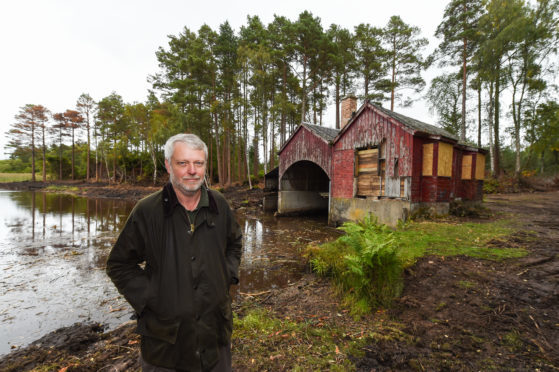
<point x="456" y="313"/>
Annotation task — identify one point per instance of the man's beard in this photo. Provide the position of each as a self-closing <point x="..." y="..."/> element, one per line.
<point x="186" y="189"/>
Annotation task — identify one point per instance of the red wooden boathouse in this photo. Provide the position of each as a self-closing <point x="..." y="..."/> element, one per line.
<point x="380" y="162"/>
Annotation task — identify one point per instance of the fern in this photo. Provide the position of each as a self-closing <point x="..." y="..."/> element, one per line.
<point x="370" y="269"/>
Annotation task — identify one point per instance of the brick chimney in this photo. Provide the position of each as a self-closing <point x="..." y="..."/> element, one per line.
<point x="349" y="106"/>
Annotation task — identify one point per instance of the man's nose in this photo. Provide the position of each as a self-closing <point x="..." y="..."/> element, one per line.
<point x="191" y="168"/>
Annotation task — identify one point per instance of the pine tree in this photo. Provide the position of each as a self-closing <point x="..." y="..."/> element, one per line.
<point x="86" y="107"/>
<point x="22" y="135"/>
<point x="405" y="61"/>
<point x="458" y="31"/>
<point x="371" y="62"/>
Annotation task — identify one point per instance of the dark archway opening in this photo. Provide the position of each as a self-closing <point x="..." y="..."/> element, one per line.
<point x="304" y="189"/>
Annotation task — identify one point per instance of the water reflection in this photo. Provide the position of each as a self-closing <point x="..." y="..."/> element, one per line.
<point x="53" y="250"/>
<point x="52" y="255"/>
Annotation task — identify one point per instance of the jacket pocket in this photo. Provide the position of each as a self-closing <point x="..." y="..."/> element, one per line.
<point x="162" y="329"/>
<point x="225" y="321"/>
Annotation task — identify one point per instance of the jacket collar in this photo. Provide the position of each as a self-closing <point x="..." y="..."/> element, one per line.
<point x="170" y="200"/>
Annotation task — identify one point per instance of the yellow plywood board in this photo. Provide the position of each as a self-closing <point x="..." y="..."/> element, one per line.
<point x="427" y="159"/>
<point x="445" y="160"/>
<point x="467" y="167"/>
<point x="480" y="167"/>
<point x="363" y="169"/>
<point x="368" y="181"/>
<point x="368" y="185"/>
<point x="367" y="161"/>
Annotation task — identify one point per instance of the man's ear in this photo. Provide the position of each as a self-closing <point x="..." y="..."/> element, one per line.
<point x="167" y="166"/>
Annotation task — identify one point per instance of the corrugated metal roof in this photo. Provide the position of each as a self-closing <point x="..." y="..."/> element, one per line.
<point x="326" y="133"/>
<point x="415" y="124"/>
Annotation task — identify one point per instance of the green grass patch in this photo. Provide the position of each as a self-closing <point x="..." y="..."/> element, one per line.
<point x="513" y="340"/>
<point x="466" y="284"/>
<point x="450" y="239"/>
<point x="16" y="177"/>
<point x="62" y="188"/>
<point x="366" y="263"/>
<point x="266" y="342"/>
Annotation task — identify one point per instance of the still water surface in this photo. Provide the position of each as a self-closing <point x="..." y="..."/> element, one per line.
<point x="53" y="250"/>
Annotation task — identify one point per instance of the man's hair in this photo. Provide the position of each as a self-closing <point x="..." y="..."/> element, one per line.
<point x="189" y="139"/>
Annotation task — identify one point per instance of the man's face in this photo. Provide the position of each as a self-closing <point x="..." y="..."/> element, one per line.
<point x="187" y="169"/>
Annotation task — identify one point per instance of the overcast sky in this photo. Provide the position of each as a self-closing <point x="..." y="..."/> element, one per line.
<point x="55" y="50"/>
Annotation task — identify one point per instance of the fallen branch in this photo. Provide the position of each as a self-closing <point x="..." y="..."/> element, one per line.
<point x="254" y="294"/>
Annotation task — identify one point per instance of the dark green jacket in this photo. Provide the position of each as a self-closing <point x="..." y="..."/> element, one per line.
<point x="182" y="294"/>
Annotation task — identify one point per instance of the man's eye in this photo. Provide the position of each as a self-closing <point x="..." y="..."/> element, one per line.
<point x="199" y="164"/>
<point x="181" y="163"/>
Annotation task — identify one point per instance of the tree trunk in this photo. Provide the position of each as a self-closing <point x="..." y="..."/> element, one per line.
<point x="304" y="91"/>
<point x="87" y="172"/>
<point x="496" y="157"/>
<point x="490" y="124"/>
<point x="479" y="115"/>
<point x="366" y="87"/>
<point x="44" y="156"/>
<point x="265" y="133"/>
<point x="33" y="152"/>
<point x="464" y="82"/>
<point x="60" y="155"/>
<point x="73" y="158"/>
<point x="96" y="161"/>
<point x="114" y="159"/>
<point x="255" y="162"/>
<point x="283" y="103"/>
<point x="337" y="99"/>
<point x="393" y="80"/>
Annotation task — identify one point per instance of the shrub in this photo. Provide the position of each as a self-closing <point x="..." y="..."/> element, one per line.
<point x="363" y="263"/>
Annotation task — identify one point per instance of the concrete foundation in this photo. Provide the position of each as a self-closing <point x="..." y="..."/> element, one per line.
<point x="301" y="201"/>
<point x="270" y="203"/>
<point x="388" y="211"/>
<point x="433" y="209"/>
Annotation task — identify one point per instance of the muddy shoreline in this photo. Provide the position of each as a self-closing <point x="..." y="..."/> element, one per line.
<point x="240" y="197"/>
<point x="456" y="313"/>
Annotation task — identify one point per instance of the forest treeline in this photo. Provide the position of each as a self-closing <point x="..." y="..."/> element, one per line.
<point x="245" y="92"/>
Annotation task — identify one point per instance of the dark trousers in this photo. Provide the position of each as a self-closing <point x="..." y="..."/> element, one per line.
<point x="223" y="364"/>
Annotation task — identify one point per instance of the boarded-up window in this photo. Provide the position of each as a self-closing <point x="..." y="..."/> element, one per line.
<point x="445" y="160"/>
<point x="467" y="167"/>
<point x="480" y="167"/>
<point x="368" y="180"/>
<point x="427" y="159"/>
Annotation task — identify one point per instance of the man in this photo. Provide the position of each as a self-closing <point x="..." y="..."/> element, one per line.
<point x="191" y="245"/>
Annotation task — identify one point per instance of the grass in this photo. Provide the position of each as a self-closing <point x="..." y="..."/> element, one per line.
<point x="513" y="340"/>
<point x="62" y="188"/>
<point x="451" y="239"/>
<point x="466" y="284"/>
<point x="17" y="177"/>
<point x="264" y="341"/>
